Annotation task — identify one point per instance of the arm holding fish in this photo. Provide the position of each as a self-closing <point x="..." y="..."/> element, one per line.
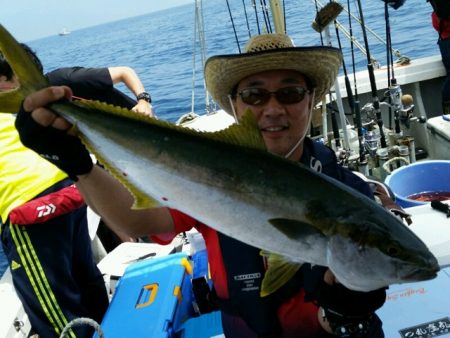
<point x="110" y="199"/>
<point x="49" y="135"/>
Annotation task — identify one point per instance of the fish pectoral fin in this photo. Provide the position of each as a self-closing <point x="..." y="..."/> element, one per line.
<point x="295" y="229"/>
<point x="26" y="71"/>
<point x="279" y="272"/>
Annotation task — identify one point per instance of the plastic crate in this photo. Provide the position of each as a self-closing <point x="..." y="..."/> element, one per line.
<point x="152" y="299"/>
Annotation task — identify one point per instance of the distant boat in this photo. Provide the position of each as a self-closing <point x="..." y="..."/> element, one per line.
<point x="64" y="31"/>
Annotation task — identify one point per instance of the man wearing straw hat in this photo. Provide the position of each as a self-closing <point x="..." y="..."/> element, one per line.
<point x="281" y="84"/>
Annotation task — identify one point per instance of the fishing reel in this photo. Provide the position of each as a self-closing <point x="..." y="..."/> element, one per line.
<point x="368" y="114"/>
<point x="406" y="111"/>
<point x="401" y="104"/>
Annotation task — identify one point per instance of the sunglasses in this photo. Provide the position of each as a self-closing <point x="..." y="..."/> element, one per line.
<point x="260" y="96"/>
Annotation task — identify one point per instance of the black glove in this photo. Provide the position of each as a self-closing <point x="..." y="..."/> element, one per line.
<point x="63" y="150"/>
<point x="351" y="313"/>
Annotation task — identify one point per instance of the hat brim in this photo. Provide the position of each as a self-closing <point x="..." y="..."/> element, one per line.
<point x="320" y="64"/>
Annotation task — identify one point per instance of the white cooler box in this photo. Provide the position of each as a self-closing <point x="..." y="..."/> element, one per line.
<point x="439" y="138"/>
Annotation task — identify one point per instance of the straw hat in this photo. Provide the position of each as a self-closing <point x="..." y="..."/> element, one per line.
<point x="270" y="52"/>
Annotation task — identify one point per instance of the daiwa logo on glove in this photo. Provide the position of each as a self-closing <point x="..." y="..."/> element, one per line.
<point x="50" y="157"/>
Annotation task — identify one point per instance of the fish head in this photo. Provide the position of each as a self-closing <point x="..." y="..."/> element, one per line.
<point x="378" y="252"/>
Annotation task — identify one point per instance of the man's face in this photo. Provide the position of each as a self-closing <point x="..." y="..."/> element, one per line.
<point x="282" y="124"/>
<point x="7" y="85"/>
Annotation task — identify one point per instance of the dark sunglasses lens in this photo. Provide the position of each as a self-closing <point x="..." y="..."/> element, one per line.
<point x="259" y="96"/>
<point x="255" y="96"/>
<point x="290" y="95"/>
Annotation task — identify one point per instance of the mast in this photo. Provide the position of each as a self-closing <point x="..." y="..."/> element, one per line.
<point x="278" y="18"/>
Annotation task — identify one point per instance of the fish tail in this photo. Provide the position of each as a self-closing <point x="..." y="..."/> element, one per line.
<point x="25" y="69"/>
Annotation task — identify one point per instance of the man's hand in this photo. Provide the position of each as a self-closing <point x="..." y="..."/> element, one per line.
<point x="48" y="134"/>
<point x="348" y="313"/>
<point x="342" y="312"/>
<point x="145" y="108"/>
<point x="36" y="102"/>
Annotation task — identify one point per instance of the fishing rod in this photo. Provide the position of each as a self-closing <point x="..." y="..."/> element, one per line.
<point x="373" y="85"/>
<point x="354" y="107"/>
<point x="256" y="15"/>
<point x="324" y="17"/>
<point x="401" y="113"/>
<point x="396" y="52"/>
<point x="352" y="49"/>
<point x="334" y="126"/>
<point x="266" y="16"/>
<point x="394" y="89"/>
<point x="403" y="59"/>
<point x="246" y="19"/>
<point x="234" y="27"/>
<point x="348" y="86"/>
<point x="362" y="160"/>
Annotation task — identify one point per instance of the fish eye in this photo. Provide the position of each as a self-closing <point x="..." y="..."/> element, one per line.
<point x="392" y="251"/>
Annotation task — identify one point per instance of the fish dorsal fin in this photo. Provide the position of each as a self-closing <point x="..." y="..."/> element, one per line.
<point x="28" y="74"/>
<point x="279" y="271"/>
<point x="246" y="133"/>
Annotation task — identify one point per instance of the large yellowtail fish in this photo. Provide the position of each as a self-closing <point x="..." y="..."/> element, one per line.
<point x="229" y="181"/>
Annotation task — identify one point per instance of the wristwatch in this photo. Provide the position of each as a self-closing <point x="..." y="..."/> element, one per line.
<point x="144" y="96"/>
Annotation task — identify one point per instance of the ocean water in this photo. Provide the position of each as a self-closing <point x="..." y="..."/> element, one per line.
<point x="165" y="51"/>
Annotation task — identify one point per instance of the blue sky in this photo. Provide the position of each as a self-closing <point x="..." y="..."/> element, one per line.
<point x="32" y="19"/>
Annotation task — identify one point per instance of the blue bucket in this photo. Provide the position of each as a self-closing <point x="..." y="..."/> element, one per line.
<point x="419" y="177"/>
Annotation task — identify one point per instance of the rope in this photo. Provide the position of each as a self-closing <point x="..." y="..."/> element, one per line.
<point x="82" y="321"/>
